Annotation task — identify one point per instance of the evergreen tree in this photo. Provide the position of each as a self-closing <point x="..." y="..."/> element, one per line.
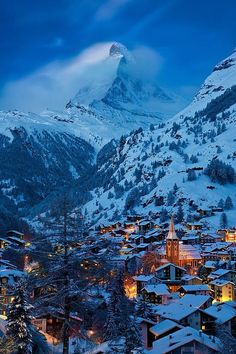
<point x="179" y="214"/>
<point x="191" y="175"/>
<point x="228" y="203"/>
<point x="175" y="188"/>
<point x="223" y="221"/>
<point x="116" y="308"/>
<point x="220" y="172"/>
<point x="163" y="215"/>
<point x="133" y="337"/>
<point x="61" y="267"/>
<point x="221" y="203"/>
<point x="144" y="309"/>
<point x="228" y="342"/>
<point x="19" y="326"/>
<point x="170" y="198"/>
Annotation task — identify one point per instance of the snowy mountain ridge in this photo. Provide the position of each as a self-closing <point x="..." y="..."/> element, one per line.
<point x="147" y="164"/>
<point x="221" y="79"/>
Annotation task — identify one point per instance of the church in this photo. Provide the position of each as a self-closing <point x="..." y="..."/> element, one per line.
<point x="177" y="253"/>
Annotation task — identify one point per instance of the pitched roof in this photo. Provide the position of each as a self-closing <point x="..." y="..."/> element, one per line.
<point x="196" y="287"/>
<point x="222" y="312"/>
<point x="170" y="264"/>
<point x="163" y="327"/>
<point x="158" y="289"/>
<point x="183" y="336"/>
<point x="143" y="277"/>
<point x="220" y="282"/>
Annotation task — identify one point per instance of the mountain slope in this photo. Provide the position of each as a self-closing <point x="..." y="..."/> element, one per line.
<point x="39" y="157"/>
<point x="147" y="164"/>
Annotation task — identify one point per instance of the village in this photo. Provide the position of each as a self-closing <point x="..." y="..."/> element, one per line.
<point x="185" y="273"/>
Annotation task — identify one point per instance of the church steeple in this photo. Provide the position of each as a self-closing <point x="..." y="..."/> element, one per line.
<point x="172" y="244"/>
<point x="172" y="234"/>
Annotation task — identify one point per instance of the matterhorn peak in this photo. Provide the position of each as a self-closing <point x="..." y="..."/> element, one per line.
<point x="119" y="50"/>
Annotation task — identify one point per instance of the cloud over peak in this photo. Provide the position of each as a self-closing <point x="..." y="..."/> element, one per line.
<point x="54" y="84"/>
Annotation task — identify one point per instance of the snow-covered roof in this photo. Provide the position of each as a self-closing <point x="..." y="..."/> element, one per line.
<point x="163" y="327"/>
<point x="10" y="273"/>
<point x="182" y="337"/>
<point x="169" y="264"/>
<point x="194" y="300"/>
<point x="16" y="239"/>
<point x="212" y="264"/>
<point x="222" y="312"/>
<point x="174" y="311"/>
<point x="220" y="272"/>
<point x="185" y="251"/>
<point x="181" y="308"/>
<point x="196" y="287"/>
<point x="143" y="277"/>
<point x="220" y="282"/>
<point x="188" y="277"/>
<point x="158" y="289"/>
<point x="144" y="222"/>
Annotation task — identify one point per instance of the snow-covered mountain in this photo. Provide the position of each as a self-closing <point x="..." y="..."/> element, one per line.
<point x="39" y="156"/>
<point x="145" y="166"/>
<point x="42" y="154"/>
<point x="113" y="99"/>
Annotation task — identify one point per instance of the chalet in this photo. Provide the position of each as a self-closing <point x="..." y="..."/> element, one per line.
<point x="199" y="289"/>
<point x="164" y="328"/>
<point x="159" y="236"/>
<point x="144" y="247"/>
<point x="194" y="226"/>
<point x="4" y="243"/>
<point x="134" y="218"/>
<point x="8" y="277"/>
<point x="205" y="212"/>
<point x="143" y="280"/>
<point x="186" y="340"/>
<point x="14" y="233"/>
<point x="116" y="225"/>
<point x="230" y="235"/>
<point x="185" y="316"/>
<point x="223" y="290"/>
<point x="190" y="239"/>
<point x="156" y="293"/>
<point x="210" y="238"/>
<point x="52" y="324"/>
<point x="225" y="274"/>
<point x="191" y="280"/>
<point x="138" y="239"/>
<point x="216" y="209"/>
<point x="128" y="248"/>
<point x="145" y="226"/>
<point x="103" y="229"/>
<point x="171" y="275"/>
<point x="225" y="315"/>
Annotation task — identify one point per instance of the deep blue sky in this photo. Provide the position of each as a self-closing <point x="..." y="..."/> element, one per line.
<point x="190" y="35"/>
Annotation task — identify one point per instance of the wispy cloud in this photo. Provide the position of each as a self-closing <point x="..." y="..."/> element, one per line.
<point x="52" y="85"/>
